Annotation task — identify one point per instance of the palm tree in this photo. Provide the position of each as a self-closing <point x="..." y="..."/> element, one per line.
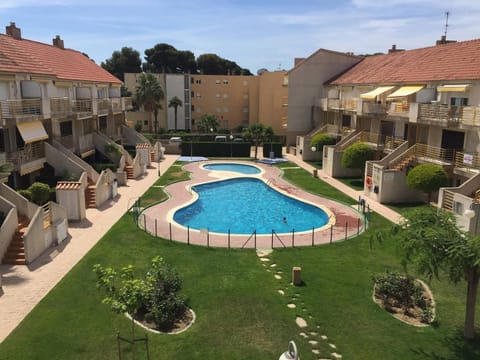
<point x="258" y="132"/>
<point x="149" y="93"/>
<point x="175" y="102"/>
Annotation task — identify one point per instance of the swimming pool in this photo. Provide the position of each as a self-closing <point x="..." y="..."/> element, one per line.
<point x="239" y="168"/>
<point x="243" y="205"/>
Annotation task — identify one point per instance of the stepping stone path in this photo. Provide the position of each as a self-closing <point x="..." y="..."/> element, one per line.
<point x="299" y="320"/>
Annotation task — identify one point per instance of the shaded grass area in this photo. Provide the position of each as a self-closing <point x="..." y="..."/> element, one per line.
<point x="403" y="208"/>
<point x="353" y="182"/>
<point x="240" y="314"/>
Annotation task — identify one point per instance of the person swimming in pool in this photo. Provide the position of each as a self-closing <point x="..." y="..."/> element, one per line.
<point x="284" y="220"/>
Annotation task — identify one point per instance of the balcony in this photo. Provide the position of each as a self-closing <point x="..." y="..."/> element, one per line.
<point x="66" y="141"/>
<point x="29" y="159"/>
<point x="82" y="109"/>
<point x="21" y="109"/>
<point x="116" y="105"/>
<point x="399" y="109"/>
<point x="448" y="115"/>
<point x="467" y="163"/>
<point x="103" y="106"/>
<point x="338" y="104"/>
<point x="86" y="145"/>
<point x="127" y="103"/>
<point x="60" y="107"/>
<point x="371" y="108"/>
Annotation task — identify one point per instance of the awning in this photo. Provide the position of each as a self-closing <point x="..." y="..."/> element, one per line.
<point x="32" y="131"/>
<point x="405" y="91"/>
<point x="453" y="88"/>
<point x="374" y="93"/>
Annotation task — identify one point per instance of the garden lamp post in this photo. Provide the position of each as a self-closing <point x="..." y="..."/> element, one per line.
<point x="231" y="139"/>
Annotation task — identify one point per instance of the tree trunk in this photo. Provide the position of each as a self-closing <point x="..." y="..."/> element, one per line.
<point x="472" y="278"/>
<point x="175" y="111"/>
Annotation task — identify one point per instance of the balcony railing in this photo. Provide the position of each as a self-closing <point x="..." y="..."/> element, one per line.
<point x="435" y="153"/>
<point x="31" y="152"/>
<point x="449" y="114"/>
<point x="60" y="106"/>
<point x="339" y="104"/>
<point x="370" y="108"/>
<point x="116" y="105"/>
<point x="103" y="106"/>
<point x="66" y="141"/>
<point x="82" y="108"/>
<point x="468" y="162"/>
<point x="21" y="109"/>
<point x="127" y="103"/>
<point x="399" y="109"/>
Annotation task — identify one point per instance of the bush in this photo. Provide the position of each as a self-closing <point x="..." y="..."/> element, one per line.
<point x="26" y="194"/>
<point x="138" y="126"/>
<point x="320" y="140"/>
<point x="40" y="193"/>
<point x="427" y="178"/>
<point x="356" y="155"/>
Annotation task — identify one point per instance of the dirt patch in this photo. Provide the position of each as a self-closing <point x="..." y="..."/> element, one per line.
<point x="181" y="324"/>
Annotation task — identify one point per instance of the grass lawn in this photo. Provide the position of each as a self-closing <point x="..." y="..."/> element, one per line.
<point x="240" y="314"/>
<point x="354" y="182"/>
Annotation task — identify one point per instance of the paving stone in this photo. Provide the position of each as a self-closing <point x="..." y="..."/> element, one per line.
<point x="332" y="346"/>
<point x="281" y="292"/>
<point x="278" y="277"/>
<point x="264" y="259"/>
<point x="316" y="351"/>
<point x="302" y="334"/>
<point x="292" y="306"/>
<point x="301" y="322"/>
<point x="273" y="265"/>
<point x="313" y="333"/>
<point x="324" y="337"/>
<point x="313" y="342"/>
<point x="336" y="356"/>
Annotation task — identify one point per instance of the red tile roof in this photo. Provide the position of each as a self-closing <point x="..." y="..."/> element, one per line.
<point x="31" y="57"/>
<point x="63" y="185"/>
<point x="453" y="61"/>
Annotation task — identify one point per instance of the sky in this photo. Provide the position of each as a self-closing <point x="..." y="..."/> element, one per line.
<point x="254" y="33"/>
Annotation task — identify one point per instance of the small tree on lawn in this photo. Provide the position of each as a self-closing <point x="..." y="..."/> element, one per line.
<point x="431" y="240"/>
<point x="427" y="178"/>
<point x="356" y="155"/>
<point x="257" y="133"/>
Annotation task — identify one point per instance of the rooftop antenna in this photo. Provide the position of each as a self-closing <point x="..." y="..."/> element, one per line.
<point x="446" y="23"/>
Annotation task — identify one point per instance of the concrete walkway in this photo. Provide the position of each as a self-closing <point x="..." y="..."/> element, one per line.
<point x="23" y="287"/>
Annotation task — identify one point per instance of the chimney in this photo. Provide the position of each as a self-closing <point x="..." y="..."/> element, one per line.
<point x="443" y="40"/>
<point x="394" y="49"/>
<point x="13" y="31"/>
<point x="58" y="42"/>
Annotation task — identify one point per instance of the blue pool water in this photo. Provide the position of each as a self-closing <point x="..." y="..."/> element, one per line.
<point x="239" y="168"/>
<point x="243" y="205"/>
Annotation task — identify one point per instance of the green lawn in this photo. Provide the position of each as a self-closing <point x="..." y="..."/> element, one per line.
<point x="240" y="314"/>
<point x="354" y="182"/>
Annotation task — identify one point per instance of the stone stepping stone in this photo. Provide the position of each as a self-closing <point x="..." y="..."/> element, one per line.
<point x="292" y="306"/>
<point x="278" y="277"/>
<point x="313" y="342"/>
<point x="304" y="335"/>
<point x="281" y="292"/>
<point x="264" y="252"/>
<point x="324" y="337"/>
<point x="332" y="346"/>
<point x="279" y="272"/>
<point x="336" y="356"/>
<point x="313" y="333"/>
<point x="301" y="322"/>
<point x="273" y="265"/>
<point x="316" y="351"/>
<point x="264" y="259"/>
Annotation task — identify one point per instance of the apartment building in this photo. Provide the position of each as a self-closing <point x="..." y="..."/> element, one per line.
<point x="235" y="100"/>
<point x="415" y="106"/>
<point x="57" y="107"/>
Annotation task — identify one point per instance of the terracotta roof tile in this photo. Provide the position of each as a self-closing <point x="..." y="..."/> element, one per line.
<point x="68" y="185"/>
<point x="142" y="146"/>
<point x="452" y="61"/>
<point x="27" y="56"/>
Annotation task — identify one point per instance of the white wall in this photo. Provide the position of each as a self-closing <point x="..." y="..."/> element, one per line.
<point x="175" y="87"/>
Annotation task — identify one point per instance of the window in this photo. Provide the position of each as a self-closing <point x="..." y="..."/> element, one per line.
<point x="225" y="96"/>
<point x="218" y="95"/>
<point x="225" y="82"/>
<point x="458" y="101"/>
<point x="198" y="81"/>
<point x="192" y="94"/>
<point x="102" y="122"/>
<point x="225" y="109"/>
<point x="66" y="128"/>
<point x="192" y="80"/>
<point x="219" y="110"/>
<point x="199" y="95"/>
<point x="217" y="82"/>
<point x="193" y="107"/>
<point x="145" y="122"/>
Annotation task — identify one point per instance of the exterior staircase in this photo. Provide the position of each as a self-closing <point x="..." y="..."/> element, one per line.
<point x="90" y="196"/>
<point x="152" y="156"/>
<point x="129" y="170"/>
<point x="405" y="162"/>
<point x="15" y="254"/>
